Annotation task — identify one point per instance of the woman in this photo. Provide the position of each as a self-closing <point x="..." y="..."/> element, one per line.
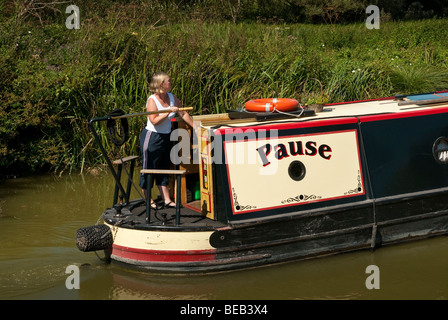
<point x="155" y="141"/>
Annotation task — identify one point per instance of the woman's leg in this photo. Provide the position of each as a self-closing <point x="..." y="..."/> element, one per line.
<point x="151" y="148"/>
<point x="163" y="180"/>
<point x="165" y="193"/>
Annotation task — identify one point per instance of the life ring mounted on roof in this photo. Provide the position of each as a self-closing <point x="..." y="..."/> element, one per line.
<point x="271" y="105"/>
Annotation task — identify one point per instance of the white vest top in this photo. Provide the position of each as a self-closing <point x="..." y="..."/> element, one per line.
<point x="165" y="125"/>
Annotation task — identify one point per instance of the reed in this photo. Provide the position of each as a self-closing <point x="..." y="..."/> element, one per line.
<point x="66" y="78"/>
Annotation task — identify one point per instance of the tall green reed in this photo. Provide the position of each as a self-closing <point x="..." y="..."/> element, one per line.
<point x="107" y="65"/>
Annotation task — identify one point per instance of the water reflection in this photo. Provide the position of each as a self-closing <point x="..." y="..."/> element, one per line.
<point x="40" y="215"/>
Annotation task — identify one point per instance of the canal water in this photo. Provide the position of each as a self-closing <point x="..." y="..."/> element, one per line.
<point x="39" y="217"/>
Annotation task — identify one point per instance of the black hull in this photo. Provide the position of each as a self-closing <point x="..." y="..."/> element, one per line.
<point x="331" y="235"/>
<point x="316" y="233"/>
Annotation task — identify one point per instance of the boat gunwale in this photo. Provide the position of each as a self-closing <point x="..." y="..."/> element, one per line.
<point x="237" y="224"/>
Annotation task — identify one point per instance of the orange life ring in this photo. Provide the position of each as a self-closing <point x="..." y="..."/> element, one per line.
<point x="269" y="105"/>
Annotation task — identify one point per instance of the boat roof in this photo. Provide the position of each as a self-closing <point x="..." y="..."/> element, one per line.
<point x="368" y="110"/>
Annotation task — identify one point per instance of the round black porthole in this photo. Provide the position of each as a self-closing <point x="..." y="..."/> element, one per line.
<point x="440" y="150"/>
<point x="296" y="170"/>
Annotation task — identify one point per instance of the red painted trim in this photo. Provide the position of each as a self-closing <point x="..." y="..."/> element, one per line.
<point x="186" y="205"/>
<point x="374" y="99"/>
<point x="289" y="125"/>
<point x="163" y="255"/>
<point x="406" y="114"/>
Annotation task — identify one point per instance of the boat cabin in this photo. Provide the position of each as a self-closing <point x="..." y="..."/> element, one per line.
<point x="262" y="187"/>
<point x="252" y="166"/>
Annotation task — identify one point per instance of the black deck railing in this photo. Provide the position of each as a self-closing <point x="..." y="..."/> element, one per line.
<point x="120" y="191"/>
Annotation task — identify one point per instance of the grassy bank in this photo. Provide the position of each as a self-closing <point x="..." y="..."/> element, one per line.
<point x="53" y="80"/>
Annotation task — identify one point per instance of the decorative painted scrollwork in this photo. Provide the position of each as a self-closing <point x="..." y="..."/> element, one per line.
<point x="301" y="198"/>
<point x="358" y="189"/>
<point x="237" y="205"/>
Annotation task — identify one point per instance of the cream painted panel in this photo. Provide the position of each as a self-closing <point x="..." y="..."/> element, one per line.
<point x="260" y="180"/>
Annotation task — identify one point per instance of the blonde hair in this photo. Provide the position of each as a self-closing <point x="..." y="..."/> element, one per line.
<point x="156" y="82"/>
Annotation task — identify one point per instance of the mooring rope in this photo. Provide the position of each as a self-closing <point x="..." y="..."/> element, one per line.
<point x="289" y="114"/>
<point x="118" y="137"/>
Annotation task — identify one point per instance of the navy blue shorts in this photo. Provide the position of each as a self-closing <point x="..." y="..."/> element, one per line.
<point x="155" y="148"/>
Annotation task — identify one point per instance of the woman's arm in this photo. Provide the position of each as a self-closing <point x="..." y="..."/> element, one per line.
<point x="156" y="118"/>
<point x="183" y="114"/>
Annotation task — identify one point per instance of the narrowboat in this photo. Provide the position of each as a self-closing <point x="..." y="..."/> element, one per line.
<point x="255" y="188"/>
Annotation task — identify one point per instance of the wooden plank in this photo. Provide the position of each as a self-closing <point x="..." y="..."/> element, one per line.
<point x="162" y="171"/>
<point x="420" y="102"/>
<point x="189" y="167"/>
<point x="183" y="189"/>
<point x="124" y="160"/>
<point x="211" y="117"/>
<point x="148" y="113"/>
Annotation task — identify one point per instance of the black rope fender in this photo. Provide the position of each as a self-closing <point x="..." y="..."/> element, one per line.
<point x="118" y="137"/>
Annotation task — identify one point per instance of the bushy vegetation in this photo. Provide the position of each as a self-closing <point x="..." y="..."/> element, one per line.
<point x="54" y="80"/>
